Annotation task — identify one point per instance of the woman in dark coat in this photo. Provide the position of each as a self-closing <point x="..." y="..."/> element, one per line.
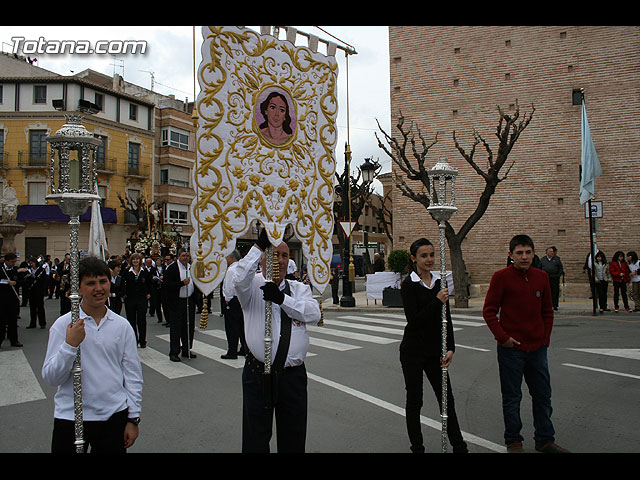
<point x="421" y="346"/>
<point x="137" y="293"/>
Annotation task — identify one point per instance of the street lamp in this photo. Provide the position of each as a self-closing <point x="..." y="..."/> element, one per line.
<point x="441" y="208"/>
<point x="347" y="299"/>
<point x="368" y="170"/>
<point x="73" y="187"/>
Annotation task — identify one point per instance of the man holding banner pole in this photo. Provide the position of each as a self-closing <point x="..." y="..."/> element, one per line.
<point x="283" y="391"/>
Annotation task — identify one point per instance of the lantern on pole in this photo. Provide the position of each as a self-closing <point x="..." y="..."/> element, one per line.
<point x="73" y="187"/>
<point x="442" y="206"/>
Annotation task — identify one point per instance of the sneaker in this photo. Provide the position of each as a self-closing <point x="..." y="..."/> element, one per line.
<point x="627" y="309"/>
<point x="617" y="309"/>
<point x="515" y="447"/>
<point x="551" y="447"/>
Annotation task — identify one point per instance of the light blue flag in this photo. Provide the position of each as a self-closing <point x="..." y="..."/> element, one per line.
<point x="591" y="168"/>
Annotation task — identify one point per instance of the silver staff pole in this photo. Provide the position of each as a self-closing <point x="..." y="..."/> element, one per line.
<point x="73" y="185"/>
<point x="442" y="206"/>
<point x="443" y="284"/>
<point x="268" y="314"/>
<point x="74" y="225"/>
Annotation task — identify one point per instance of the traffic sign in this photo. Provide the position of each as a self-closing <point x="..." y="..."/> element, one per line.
<point x="348" y="227"/>
<point x="596" y="209"/>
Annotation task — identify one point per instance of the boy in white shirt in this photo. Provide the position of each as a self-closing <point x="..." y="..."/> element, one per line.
<point x="111" y="370"/>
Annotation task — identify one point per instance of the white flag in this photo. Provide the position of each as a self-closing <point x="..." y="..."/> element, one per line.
<point x="97" y="237"/>
<point x="591" y="168"/>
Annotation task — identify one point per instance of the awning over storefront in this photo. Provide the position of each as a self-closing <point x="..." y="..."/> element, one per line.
<point x="52" y="213"/>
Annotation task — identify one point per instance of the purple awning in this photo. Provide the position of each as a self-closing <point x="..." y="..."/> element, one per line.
<point x="52" y="213"/>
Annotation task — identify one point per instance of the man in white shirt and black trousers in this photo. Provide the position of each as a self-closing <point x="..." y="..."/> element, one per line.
<point x="182" y="304"/>
<point x="284" y="390"/>
<point x="111" y="370"/>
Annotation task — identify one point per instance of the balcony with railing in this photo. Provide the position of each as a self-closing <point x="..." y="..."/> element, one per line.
<point x="32" y="160"/>
<point x="137" y="170"/>
<point x="106" y="165"/>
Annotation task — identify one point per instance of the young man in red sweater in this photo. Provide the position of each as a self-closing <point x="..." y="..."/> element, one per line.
<point x="519" y="312"/>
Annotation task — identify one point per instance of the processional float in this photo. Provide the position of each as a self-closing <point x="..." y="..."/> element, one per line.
<point x="265" y="140"/>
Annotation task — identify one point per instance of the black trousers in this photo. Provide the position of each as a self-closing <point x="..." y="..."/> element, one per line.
<point x="412" y="368"/>
<point x="234" y="326"/>
<point x="103" y="437"/>
<point x="136" y="309"/>
<point x="36" y="310"/>
<point x="554" y="283"/>
<point x="155" y="303"/>
<point x="182" y="326"/>
<point x="601" y="292"/>
<point x="290" y="408"/>
<point x="9" y="321"/>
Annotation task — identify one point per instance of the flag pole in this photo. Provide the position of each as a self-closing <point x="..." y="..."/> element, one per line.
<point x="593" y="260"/>
<point x="587" y="133"/>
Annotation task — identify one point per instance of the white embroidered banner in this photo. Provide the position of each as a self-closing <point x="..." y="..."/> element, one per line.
<point x="265" y="149"/>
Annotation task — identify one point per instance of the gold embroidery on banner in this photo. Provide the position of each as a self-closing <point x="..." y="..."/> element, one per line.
<point x="235" y="175"/>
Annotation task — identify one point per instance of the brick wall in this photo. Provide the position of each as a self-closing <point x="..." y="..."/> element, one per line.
<point x="447" y="79"/>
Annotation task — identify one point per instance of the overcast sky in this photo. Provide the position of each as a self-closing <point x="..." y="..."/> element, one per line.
<point x="169" y="57"/>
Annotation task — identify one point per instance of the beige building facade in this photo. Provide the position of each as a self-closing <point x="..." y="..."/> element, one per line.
<point x="453" y="78"/>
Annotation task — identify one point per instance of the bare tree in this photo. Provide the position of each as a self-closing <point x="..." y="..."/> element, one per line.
<point x="383" y="213"/>
<point x="411" y="157"/>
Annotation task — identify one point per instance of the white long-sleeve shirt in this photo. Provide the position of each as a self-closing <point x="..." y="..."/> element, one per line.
<point x="228" y="286"/>
<point x="111" y="370"/>
<point x="300" y="306"/>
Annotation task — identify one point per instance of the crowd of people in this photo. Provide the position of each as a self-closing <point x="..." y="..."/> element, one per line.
<point x="518" y="310"/>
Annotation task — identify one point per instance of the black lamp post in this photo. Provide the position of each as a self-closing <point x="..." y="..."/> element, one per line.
<point x="368" y="170"/>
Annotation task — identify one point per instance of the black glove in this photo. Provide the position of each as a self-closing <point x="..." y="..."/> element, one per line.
<point x="263" y="241"/>
<point x="271" y="293"/>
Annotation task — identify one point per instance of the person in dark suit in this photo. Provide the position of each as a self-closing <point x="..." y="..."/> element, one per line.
<point x="155" y="272"/>
<point x="164" y="302"/>
<point x="181" y="299"/>
<point x="137" y="290"/>
<point x="64" y="289"/>
<point x="233" y="317"/>
<point x="117" y="286"/>
<point x="10" y="279"/>
<point x="37" y="291"/>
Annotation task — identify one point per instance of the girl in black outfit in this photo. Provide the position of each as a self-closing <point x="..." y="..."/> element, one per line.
<point x="137" y="293"/>
<point x="421" y="346"/>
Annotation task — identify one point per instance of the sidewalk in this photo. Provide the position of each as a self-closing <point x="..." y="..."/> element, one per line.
<point x="569" y="306"/>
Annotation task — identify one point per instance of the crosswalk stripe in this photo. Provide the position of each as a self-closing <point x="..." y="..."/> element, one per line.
<point x="374" y="320"/>
<point x="160" y="363"/>
<point x="468" y="317"/>
<point x="455" y="322"/>
<point x="19" y="383"/>
<point x="611" y="372"/>
<point x="352" y="335"/>
<point x="388" y="315"/>
<point x="373" y="328"/>
<point x="632" y="353"/>
<point x="211" y="352"/>
<point x="342" y="347"/>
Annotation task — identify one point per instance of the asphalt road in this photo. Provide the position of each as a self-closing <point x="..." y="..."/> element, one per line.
<point x="356" y="389"/>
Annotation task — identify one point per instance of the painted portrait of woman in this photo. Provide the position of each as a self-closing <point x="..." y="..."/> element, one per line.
<point x="277" y="125"/>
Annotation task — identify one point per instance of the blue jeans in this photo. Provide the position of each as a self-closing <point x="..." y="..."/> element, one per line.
<point x="515" y="364"/>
